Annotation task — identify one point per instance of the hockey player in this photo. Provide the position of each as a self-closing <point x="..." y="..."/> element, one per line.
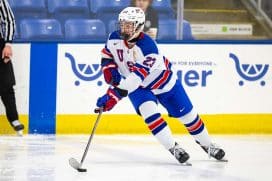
<point x="148" y="81"/>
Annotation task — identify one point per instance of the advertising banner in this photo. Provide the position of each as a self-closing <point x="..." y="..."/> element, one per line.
<point x="222" y="29"/>
<point x="220" y="79"/>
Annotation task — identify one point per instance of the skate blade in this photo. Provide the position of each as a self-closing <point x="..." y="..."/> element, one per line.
<point x="20" y="133"/>
<point x="223" y="160"/>
<point x="188" y="164"/>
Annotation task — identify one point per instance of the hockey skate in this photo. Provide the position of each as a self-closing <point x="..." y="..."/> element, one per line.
<point x="215" y="152"/>
<point x="18" y="127"/>
<point x="180" y="154"/>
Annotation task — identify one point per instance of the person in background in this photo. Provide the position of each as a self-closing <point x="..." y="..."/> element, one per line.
<point x="151" y="23"/>
<point x="7" y="78"/>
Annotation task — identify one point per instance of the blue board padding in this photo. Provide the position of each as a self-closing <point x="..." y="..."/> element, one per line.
<point x="43" y="83"/>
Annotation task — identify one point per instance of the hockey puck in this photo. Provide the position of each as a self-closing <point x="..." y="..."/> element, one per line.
<point x="82" y="170"/>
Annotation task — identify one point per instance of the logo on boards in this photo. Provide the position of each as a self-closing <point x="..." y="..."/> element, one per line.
<point x="250" y="72"/>
<point x="84" y="72"/>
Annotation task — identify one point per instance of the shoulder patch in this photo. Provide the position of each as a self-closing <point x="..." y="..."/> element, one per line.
<point x="147" y="45"/>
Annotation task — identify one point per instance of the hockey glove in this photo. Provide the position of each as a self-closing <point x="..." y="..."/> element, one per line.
<point x="110" y="71"/>
<point x="111" y="98"/>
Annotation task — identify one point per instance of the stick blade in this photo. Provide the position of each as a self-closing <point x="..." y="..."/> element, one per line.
<point x="76" y="165"/>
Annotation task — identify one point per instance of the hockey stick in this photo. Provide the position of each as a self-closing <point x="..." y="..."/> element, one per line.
<point x="72" y="161"/>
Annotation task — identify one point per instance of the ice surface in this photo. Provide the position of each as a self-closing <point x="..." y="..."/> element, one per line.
<point x="129" y="158"/>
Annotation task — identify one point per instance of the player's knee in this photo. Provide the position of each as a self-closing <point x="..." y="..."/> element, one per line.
<point x="148" y="109"/>
<point x="152" y="117"/>
<point x="189" y="117"/>
<point x="193" y="122"/>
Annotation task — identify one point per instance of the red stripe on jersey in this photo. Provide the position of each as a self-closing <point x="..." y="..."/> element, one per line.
<point x="141" y="36"/>
<point x="166" y="63"/>
<point x="126" y="43"/>
<point x="132" y="69"/>
<point x="106" y="52"/>
<point x="156" y="123"/>
<point x="143" y="72"/>
<point x="162" y="80"/>
<point x="196" y="126"/>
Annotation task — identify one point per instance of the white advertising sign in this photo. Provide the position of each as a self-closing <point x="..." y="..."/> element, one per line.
<point x="222" y="29"/>
<point x="21" y="65"/>
<point x="218" y="78"/>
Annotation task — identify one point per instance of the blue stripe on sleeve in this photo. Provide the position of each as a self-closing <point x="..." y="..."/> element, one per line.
<point x="141" y="66"/>
<point x="139" y="75"/>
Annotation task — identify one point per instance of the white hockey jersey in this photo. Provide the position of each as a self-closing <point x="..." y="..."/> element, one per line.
<point x="142" y="65"/>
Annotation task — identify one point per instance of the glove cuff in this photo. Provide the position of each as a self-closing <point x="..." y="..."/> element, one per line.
<point x="117" y="93"/>
<point x="107" y="63"/>
<point x="108" y="66"/>
<point x="122" y="92"/>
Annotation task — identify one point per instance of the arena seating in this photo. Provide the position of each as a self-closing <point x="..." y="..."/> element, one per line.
<point x="85" y="29"/>
<point x="98" y="6"/>
<point x="16" y="35"/>
<point x="187" y="31"/>
<point x="40" y="29"/>
<point x="107" y="10"/>
<point x="28" y="8"/>
<point x="67" y="9"/>
<point x="67" y="19"/>
<point x="112" y="26"/>
<point x="168" y="30"/>
<point x="164" y="9"/>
